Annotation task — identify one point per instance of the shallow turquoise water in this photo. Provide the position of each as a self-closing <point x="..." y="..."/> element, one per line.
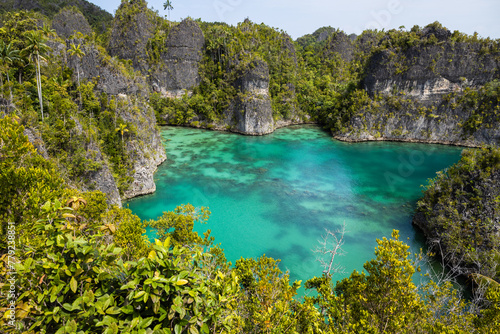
<point x="277" y="194"/>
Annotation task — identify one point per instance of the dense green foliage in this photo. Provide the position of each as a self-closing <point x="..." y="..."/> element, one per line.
<point x="84" y="266"/>
<point x="75" y="279"/>
<point x="81" y="128"/>
<point x="98" y="18"/>
<point x="461" y="208"/>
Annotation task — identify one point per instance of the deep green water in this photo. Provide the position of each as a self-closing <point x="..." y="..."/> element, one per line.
<point x="277" y="194"/>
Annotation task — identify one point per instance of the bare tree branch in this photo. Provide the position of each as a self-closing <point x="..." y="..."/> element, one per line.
<point x="331" y="246"/>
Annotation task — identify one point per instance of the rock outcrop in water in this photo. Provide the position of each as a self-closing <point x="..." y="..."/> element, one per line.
<point x="251" y="113"/>
<point x="425" y="92"/>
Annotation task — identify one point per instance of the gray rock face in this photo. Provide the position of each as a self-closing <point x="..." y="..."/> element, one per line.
<point x="146" y="150"/>
<point x="340" y="44"/>
<point x="431" y="71"/>
<point x="178" y="68"/>
<point x="132" y="28"/>
<point x="251" y="112"/>
<point x="425" y="74"/>
<point x="110" y="78"/>
<point x="37" y="141"/>
<point x="443" y="126"/>
<point x="67" y="22"/>
<point x="101" y="179"/>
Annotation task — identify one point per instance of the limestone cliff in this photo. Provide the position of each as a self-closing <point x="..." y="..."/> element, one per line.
<point x="100" y="178"/>
<point x="459" y="213"/>
<point x="110" y="76"/>
<point x="69" y="21"/>
<point x="417" y="92"/>
<point x="408" y="119"/>
<point x="177" y="68"/>
<point x="144" y="147"/>
<point x="133" y="25"/>
<point x="250" y="112"/>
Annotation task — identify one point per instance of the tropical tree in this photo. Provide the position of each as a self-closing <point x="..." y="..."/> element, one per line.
<point x="168" y="6"/>
<point x="75" y="50"/>
<point x="48" y="31"/>
<point x="122" y="128"/>
<point x="7" y="56"/>
<point x="35" y="50"/>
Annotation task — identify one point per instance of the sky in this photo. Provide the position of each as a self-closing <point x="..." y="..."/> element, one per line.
<point x="299" y="18"/>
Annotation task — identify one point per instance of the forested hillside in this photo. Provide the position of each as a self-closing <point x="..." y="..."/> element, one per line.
<point x="79" y="107"/>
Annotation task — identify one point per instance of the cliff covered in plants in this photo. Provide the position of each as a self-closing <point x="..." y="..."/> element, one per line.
<point x="81" y="108"/>
<point x="210" y="75"/>
<point x="460" y="213"/>
<point x="427" y="85"/>
<point x="78" y="117"/>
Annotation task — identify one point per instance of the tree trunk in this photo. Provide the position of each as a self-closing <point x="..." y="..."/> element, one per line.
<point x="1" y="83"/>
<point x="39" y="84"/>
<point x="10" y="88"/>
<point x="78" y="76"/>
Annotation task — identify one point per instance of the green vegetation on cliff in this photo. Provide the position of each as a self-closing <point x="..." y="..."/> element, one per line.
<point x="459" y="213"/>
<point x="98" y="18"/>
<point x="76" y="121"/>
<point x="82" y="266"/>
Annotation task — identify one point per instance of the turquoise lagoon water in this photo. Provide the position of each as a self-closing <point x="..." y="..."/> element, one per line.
<point x="277" y="194"/>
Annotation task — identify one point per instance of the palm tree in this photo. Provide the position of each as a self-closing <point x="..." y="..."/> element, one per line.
<point x="168" y="6"/>
<point x="48" y="31"/>
<point x="122" y="128"/>
<point x="7" y="56"/>
<point x="78" y="52"/>
<point x="35" y="50"/>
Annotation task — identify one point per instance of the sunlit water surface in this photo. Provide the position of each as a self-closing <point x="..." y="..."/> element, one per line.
<point x="277" y="194"/>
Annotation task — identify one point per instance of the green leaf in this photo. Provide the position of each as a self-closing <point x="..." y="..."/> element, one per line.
<point x="139" y="294"/>
<point x="134" y="322"/>
<point x="28" y="263"/>
<point x="129" y="285"/>
<point x="73" y="284"/>
<point x="146" y="322"/>
<point x="129" y="309"/>
<point x="60" y="240"/>
<point x="181" y="282"/>
<point x="205" y="329"/>
<point x="68" y="307"/>
<point x="113" y="310"/>
<point x="193" y="330"/>
<point x="46" y="206"/>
